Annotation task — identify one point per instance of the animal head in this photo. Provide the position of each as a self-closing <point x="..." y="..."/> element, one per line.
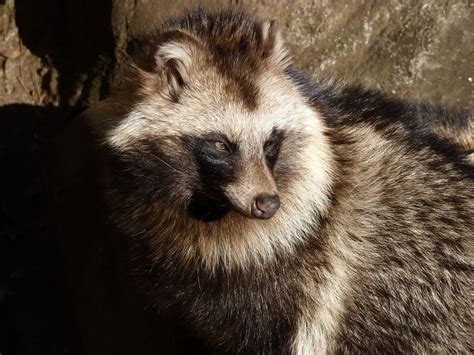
<point x="217" y="138"/>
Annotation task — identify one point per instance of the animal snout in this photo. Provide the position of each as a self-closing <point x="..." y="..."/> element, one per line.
<point x="264" y="206"/>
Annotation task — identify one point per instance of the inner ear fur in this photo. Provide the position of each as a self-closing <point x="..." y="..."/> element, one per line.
<point x="274" y="46"/>
<point x="170" y="55"/>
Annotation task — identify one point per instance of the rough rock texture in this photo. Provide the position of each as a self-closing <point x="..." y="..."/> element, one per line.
<point x="58" y="57"/>
<point x="55" y="52"/>
<point x="414" y="49"/>
<point x="24" y="77"/>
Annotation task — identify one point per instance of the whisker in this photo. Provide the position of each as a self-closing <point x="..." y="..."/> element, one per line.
<point x="167" y="164"/>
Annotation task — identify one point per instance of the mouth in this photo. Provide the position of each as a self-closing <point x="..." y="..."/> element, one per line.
<point x="206" y="209"/>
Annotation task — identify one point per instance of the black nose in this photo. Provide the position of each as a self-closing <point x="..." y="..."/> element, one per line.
<point x="264" y="206"/>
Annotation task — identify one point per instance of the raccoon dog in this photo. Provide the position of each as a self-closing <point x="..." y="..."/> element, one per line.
<point x="279" y="216"/>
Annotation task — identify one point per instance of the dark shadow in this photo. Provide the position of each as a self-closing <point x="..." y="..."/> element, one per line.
<point x="37" y="311"/>
<point x="75" y="36"/>
<point x="65" y="285"/>
<point x="36" y="315"/>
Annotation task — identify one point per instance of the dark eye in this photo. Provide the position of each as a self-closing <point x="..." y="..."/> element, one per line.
<point x="270" y="147"/>
<point x="269" y="144"/>
<point x="221" y="146"/>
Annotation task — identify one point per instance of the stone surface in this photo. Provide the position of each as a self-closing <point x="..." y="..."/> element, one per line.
<point x="412" y="49"/>
<point x="65" y="55"/>
<point x="24" y="77"/>
<point x="418" y="49"/>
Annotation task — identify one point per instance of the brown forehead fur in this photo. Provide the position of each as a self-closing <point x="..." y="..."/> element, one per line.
<point x="238" y="47"/>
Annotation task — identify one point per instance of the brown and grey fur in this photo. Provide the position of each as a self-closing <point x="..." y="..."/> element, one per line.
<point x="371" y="250"/>
<point x="454" y="125"/>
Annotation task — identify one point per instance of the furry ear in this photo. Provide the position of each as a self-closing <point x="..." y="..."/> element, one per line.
<point x="170" y="56"/>
<point x="273" y="44"/>
<point x="174" y="58"/>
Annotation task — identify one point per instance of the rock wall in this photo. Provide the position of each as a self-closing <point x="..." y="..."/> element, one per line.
<point x="65" y="53"/>
<point x="414" y="49"/>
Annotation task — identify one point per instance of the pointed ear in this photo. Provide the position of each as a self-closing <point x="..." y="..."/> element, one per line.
<point x="274" y="46"/>
<point x="170" y="56"/>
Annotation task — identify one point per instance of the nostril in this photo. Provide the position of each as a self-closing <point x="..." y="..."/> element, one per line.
<point x="264" y="206"/>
